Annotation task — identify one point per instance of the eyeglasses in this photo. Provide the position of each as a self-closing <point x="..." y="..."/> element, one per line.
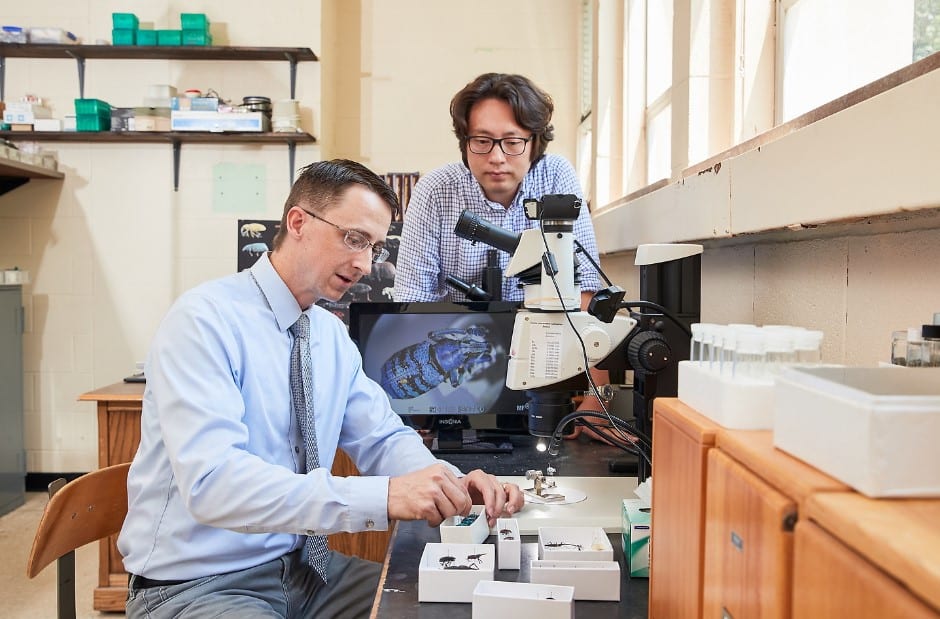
<point x="356" y="240"/>
<point x="482" y="145"/>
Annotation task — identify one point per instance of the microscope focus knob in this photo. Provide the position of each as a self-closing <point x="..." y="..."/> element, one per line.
<point x="648" y="352"/>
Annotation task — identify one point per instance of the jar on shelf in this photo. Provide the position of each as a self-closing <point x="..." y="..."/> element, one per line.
<point x="930" y="347"/>
<point x="915" y="347"/>
<point x="899" y="347"/>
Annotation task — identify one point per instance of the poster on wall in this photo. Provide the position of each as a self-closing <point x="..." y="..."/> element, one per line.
<point x="256" y="236"/>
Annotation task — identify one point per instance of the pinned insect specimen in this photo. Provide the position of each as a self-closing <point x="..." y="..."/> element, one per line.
<point x="467" y="520"/>
<point x="563" y="545"/>
<point x="506" y="534"/>
<point x="472" y="562"/>
<point x="253" y="230"/>
<point x="451" y="355"/>
<point x="255" y="249"/>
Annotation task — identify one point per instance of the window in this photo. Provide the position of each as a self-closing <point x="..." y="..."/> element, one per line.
<point x="677" y="83"/>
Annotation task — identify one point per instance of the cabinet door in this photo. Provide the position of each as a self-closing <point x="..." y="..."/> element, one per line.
<point x="748" y="544"/>
<point x="12" y="450"/>
<point x="831" y="580"/>
<point x="678" y="516"/>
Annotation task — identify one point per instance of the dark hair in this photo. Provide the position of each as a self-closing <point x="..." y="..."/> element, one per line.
<point x="531" y="106"/>
<point x="321" y="184"/>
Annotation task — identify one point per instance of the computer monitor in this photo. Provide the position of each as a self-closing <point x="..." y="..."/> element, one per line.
<point x="443" y="367"/>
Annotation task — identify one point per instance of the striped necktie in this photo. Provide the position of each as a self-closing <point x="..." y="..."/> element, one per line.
<point x="301" y="386"/>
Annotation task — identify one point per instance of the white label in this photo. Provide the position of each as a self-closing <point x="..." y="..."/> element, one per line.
<point x="545" y="350"/>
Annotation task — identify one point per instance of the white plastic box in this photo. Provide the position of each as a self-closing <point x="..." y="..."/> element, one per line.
<point x="216" y="121"/>
<point x="450" y="572"/>
<point x="574" y="544"/>
<point x="592" y="580"/>
<point x="508" y="544"/>
<point x="875" y="429"/>
<point x="469" y="529"/>
<point x="496" y="598"/>
<point x="735" y="404"/>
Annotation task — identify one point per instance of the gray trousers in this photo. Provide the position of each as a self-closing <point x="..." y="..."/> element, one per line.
<point x="283" y="588"/>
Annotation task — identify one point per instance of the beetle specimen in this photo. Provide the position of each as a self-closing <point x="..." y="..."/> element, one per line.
<point x="450" y="355"/>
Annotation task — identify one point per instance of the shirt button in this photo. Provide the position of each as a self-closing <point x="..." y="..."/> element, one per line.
<point x="311" y="532"/>
<point x="296" y="449"/>
<point x="370" y="523"/>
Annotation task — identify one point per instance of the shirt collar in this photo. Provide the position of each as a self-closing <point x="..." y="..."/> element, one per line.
<point x="278" y="295"/>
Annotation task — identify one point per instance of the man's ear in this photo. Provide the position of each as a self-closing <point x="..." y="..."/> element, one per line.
<point x="295" y="220"/>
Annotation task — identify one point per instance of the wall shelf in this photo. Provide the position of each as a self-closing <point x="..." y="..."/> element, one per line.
<point x="80" y="53"/>
<point x="176" y="138"/>
<point x="291" y="55"/>
<point x="13" y="174"/>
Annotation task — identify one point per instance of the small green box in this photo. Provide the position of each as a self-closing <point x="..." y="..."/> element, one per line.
<point x="92" y="106"/>
<point x="93" y="122"/>
<point x="146" y="37"/>
<point x="123" y="36"/>
<point x="196" y="37"/>
<point x="194" y="21"/>
<point x="169" y="37"/>
<point x="635" y="516"/>
<point x="124" y="21"/>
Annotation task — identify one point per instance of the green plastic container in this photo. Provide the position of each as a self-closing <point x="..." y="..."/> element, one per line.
<point x="92" y="106"/>
<point x="196" y="37"/>
<point x="93" y="122"/>
<point x="169" y="37"/>
<point x="146" y="37"/>
<point x="194" y="21"/>
<point x="124" y="21"/>
<point x="123" y="36"/>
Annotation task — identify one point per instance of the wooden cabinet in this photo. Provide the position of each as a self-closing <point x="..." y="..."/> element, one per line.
<point x="748" y="544"/>
<point x="898" y="540"/>
<point x="831" y="580"/>
<point x="681" y="441"/>
<point x="119" y="409"/>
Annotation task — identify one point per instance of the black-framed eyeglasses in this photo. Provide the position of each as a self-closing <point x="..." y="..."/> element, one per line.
<point x="355" y="240"/>
<point x="483" y="145"/>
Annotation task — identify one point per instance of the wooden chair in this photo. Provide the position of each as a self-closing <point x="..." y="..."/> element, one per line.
<point x="402" y="183"/>
<point x="89" y="508"/>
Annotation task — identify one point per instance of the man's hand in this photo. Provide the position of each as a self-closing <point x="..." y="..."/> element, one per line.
<point x="500" y="499"/>
<point x="431" y="494"/>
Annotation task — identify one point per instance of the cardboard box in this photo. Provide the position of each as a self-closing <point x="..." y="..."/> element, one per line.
<point x="469" y="529"/>
<point x="636" y="537"/>
<point x="20" y="113"/>
<point x="450" y="572"/>
<point x="520" y="599"/>
<point x="874" y="429"/>
<point x="574" y="544"/>
<point x="508" y="544"/>
<point x="592" y="580"/>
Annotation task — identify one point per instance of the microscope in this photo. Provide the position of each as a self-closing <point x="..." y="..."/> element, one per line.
<point x="554" y="342"/>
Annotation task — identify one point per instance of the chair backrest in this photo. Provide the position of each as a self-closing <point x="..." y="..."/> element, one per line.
<point x="402" y="183"/>
<point x="89" y="508"/>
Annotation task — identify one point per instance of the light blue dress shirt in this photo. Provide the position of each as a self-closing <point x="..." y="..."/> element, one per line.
<point x="217" y="484"/>
<point x="430" y="251"/>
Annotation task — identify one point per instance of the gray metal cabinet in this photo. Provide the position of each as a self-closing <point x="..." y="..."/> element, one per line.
<point x="12" y="450"/>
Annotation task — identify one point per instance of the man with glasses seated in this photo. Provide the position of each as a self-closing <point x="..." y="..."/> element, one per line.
<point x="251" y="388"/>
<point x="503" y="127"/>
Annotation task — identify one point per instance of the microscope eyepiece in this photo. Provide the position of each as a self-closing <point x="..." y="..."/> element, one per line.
<point x="474" y="228"/>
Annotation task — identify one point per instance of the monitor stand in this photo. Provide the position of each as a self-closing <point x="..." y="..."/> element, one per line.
<point x="459" y="441"/>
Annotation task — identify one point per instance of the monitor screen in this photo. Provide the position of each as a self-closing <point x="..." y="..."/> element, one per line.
<point x="439" y="359"/>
